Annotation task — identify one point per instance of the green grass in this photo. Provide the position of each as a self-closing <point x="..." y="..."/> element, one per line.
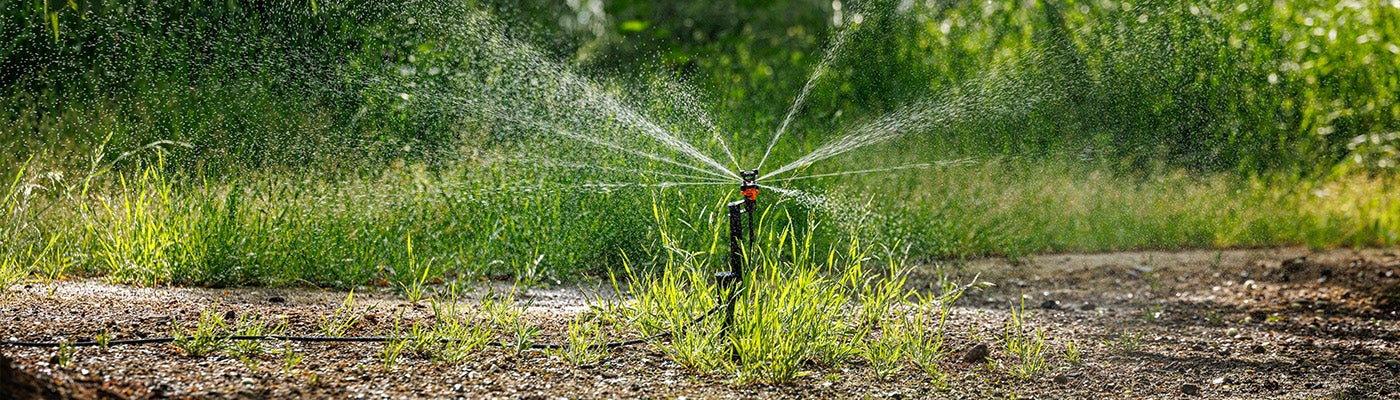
<point x="507" y="316"/>
<point x="10" y="274"/>
<point x="290" y="358"/>
<point x="414" y="286"/>
<point x="392" y="349"/>
<point x="343" y="319"/>
<point x="313" y="145"/>
<point x="315" y="167"/>
<point x="1025" y="345"/>
<point x="251" y="352"/>
<point x="153" y="228"/>
<point x="64" y="354"/>
<point x="209" y="335"/>
<point x="458" y="336"/>
<point x="1073" y="353"/>
<point x="803" y="304"/>
<point x="584" y="344"/>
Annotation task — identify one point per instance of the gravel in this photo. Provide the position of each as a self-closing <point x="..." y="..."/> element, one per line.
<point x="1318" y="340"/>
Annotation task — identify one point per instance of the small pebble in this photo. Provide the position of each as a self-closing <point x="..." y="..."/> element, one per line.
<point x="276" y="299"/>
<point x="1050" y="305"/>
<point x="1191" y="389"/>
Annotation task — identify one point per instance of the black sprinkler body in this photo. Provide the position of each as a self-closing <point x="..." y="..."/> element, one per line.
<point x="729" y="280"/>
<point x="749" y="189"/>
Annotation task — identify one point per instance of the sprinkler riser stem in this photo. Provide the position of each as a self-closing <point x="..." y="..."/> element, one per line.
<point x="730" y="281"/>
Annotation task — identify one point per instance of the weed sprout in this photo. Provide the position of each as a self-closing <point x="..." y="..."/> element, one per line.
<point x="1027" y="346"/>
<point x="64" y="354"/>
<point x="585" y="343"/>
<point x="415" y="286"/>
<point x="209" y="335"/>
<point x="344" y="318"/>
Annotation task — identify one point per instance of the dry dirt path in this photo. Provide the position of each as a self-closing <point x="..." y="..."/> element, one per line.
<point x="1274" y="323"/>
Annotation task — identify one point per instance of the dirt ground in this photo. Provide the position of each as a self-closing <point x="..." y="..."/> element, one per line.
<point x="1274" y="323"/>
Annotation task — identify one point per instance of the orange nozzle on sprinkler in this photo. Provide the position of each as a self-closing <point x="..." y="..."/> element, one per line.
<point x="750" y="193"/>
<point x="749" y="187"/>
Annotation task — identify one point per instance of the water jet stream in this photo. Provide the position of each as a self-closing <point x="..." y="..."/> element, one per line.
<point x="548" y="127"/>
<point x="870" y="171"/>
<point x="560" y="91"/>
<point x="670" y="140"/>
<point x="807" y="88"/>
<point x="888" y="127"/>
<point x="561" y="164"/>
<point x="656" y="185"/>
<point x="690" y="105"/>
<point x="803" y="197"/>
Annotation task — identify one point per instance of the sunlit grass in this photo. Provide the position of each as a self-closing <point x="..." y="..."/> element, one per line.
<point x="150" y="227"/>
<point x="802" y="304"/>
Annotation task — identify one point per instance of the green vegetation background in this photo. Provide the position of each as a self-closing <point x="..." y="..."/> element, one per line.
<point x="1095" y="125"/>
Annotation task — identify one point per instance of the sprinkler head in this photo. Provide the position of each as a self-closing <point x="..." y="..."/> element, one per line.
<point x="749" y="176"/>
<point x="749" y="188"/>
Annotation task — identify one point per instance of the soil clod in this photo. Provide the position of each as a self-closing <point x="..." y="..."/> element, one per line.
<point x="978" y="353"/>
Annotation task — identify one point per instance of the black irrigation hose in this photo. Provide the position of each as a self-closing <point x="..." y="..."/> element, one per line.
<point x="370" y="339"/>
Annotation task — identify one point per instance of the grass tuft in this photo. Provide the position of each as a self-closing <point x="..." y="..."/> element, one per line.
<point x="345" y="318"/>
<point x="458" y="337"/>
<point x="508" y="316"/>
<point x="585" y="343"/>
<point x="251" y="352"/>
<point x="209" y="336"/>
<point x="11" y="273"/>
<point x="1027" y="346"/>
<point x="415" y="284"/>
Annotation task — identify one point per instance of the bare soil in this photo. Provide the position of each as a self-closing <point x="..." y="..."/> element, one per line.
<point x="1274" y="323"/>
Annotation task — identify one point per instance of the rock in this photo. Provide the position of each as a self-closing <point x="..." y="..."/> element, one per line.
<point x="1060" y="379"/>
<point x="1258" y="316"/>
<point x="1190" y="389"/>
<point x="276" y="299"/>
<point x="230" y="316"/>
<point x="1259" y="349"/>
<point x="978" y="353"/>
<point x="1088" y="307"/>
<point x="1140" y="270"/>
<point x="1050" y="305"/>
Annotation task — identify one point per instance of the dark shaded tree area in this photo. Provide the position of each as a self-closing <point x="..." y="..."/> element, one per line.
<point x="1302" y="87"/>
